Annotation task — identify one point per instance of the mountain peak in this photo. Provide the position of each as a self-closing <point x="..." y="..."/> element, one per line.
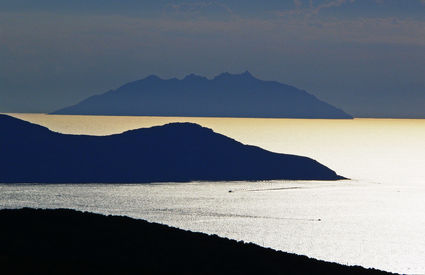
<point x="226" y="75"/>
<point x="153" y="77"/>
<point x="247" y="74"/>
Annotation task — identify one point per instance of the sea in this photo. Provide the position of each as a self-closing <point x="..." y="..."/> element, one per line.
<point x="374" y="219"/>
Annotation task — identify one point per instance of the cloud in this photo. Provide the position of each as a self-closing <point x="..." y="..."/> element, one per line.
<point x="298" y="4"/>
<point x="311" y="8"/>
<point x="330" y="4"/>
<point x="200" y="8"/>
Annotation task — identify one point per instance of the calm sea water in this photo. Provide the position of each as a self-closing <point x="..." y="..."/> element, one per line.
<point x="376" y="219"/>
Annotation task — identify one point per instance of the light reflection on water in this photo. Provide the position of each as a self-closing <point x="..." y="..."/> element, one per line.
<point x="375" y="220"/>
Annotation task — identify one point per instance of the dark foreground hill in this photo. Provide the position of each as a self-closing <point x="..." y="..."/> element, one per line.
<point x="71" y="242"/>
<point x="171" y="153"/>
<point x="226" y="95"/>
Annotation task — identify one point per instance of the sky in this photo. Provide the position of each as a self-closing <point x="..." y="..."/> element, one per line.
<point x="364" y="56"/>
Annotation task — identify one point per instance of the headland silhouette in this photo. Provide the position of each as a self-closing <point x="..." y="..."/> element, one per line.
<point x="176" y="152"/>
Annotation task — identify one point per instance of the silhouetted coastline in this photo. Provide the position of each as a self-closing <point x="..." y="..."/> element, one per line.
<point x="176" y="152"/>
<point x="226" y="95"/>
<point x="63" y="241"/>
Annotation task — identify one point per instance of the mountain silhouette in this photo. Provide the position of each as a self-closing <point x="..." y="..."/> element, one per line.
<point x="226" y="95"/>
<point x="176" y="152"/>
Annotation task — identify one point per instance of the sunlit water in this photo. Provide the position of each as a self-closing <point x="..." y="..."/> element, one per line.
<point x="374" y="220"/>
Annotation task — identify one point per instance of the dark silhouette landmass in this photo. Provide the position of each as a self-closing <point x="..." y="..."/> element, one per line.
<point x="63" y="241"/>
<point x="227" y="95"/>
<point x="176" y="152"/>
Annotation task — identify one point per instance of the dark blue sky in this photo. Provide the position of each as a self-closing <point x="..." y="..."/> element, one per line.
<point x="365" y="56"/>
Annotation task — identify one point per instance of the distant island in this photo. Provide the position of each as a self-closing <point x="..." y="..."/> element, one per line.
<point x="176" y="152"/>
<point x="226" y="95"/>
<point x="63" y="241"/>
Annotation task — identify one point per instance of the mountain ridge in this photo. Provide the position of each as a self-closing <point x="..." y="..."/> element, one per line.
<point x="225" y="95"/>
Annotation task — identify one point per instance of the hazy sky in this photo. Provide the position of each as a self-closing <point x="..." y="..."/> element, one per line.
<point x="365" y="56"/>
